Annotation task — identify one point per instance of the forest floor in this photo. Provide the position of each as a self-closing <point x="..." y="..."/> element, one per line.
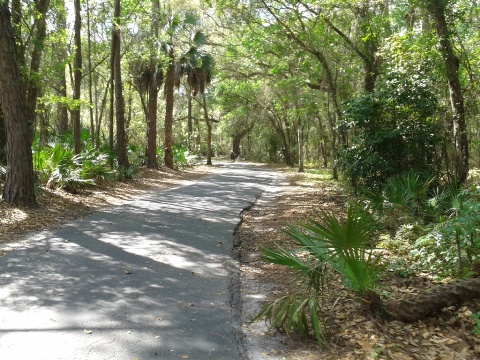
<point x="353" y="334"/>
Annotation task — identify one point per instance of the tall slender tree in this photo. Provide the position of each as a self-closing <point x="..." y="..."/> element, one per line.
<point x="19" y="183"/>
<point x="437" y="9"/>
<point x="77" y="78"/>
<point x="154" y="82"/>
<point x="59" y="68"/>
<point x="169" y="102"/>
<point x="122" y="157"/>
<point x="33" y="82"/>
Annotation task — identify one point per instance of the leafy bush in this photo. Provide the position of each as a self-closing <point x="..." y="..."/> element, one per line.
<point x="452" y="243"/>
<point x="438" y="223"/>
<point x="395" y="133"/>
<point x="58" y="167"/>
<point x="180" y="155"/>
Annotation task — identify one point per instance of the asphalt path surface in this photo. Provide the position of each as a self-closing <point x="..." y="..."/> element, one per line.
<point x="150" y="279"/>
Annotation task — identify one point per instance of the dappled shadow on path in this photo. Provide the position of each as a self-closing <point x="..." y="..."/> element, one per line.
<point x="148" y="279"/>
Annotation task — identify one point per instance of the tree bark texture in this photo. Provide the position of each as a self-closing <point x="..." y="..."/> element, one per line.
<point x="122" y="157"/>
<point x="60" y="78"/>
<point x="434" y="300"/>
<point x="17" y="20"/>
<point x="34" y="79"/>
<point x="437" y="9"/>
<point x="209" y="130"/>
<point x="169" y="93"/>
<point x="19" y="183"/>
<point x="189" y="120"/>
<point x="3" y="139"/>
<point x="77" y="78"/>
<point x="90" y="77"/>
<point x="153" y="92"/>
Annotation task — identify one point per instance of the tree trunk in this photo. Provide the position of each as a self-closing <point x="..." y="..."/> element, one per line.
<point x="17" y="21"/>
<point x="437" y="9"/>
<point x="19" y="183"/>
<point x="209" y="130"/>
<point x="90" y="78"/>
<point x="122" y="157"/>
<point x="3" y="139"/>
<point x="169" y="92"/>
<point x="33" y="83"/>
<point x="434" y="300"/>
<point x="300" y="145"/>
<point x="189" y="120"/>
<point x="42" y="125"/>
<point x="77" y="71"/>
<point x="153" y="93"/>
<point x="238" y="136"/>
<point x="100" y="115"/>
<point x="60" y="78"/>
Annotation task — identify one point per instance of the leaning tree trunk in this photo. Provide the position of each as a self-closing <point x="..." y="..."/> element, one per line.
<point x="19" y="183"/>
<point x="421" y="306"/>
<point x="437" y="9"/>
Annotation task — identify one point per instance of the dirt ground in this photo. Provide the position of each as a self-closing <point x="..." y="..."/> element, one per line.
<point x="353" y="334"/>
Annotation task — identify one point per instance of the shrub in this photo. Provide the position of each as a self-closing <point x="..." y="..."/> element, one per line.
<point x="395" y="133"/>
<point x="343" y="245"/>
<point x="58" y="167"/>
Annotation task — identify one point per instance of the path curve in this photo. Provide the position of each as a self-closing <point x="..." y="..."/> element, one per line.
<point x="145" y="280"/>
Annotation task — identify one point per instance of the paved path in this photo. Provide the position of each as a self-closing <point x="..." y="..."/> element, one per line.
<point x="146" y="280"/>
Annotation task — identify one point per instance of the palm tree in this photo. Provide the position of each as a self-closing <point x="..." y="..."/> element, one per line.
<point x="197" y="67"/>
<point x="175" y="25"/>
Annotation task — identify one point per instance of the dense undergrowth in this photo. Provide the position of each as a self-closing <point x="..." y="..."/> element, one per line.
<point x="57" y="166"/>
<point x="427" y="226"/>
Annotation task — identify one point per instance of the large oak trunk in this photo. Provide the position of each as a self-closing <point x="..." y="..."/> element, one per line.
<point x="19" y="183"/>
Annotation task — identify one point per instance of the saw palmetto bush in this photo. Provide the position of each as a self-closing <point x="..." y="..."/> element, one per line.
<point x="342" y="245"/>
<point x="57" y="166"/>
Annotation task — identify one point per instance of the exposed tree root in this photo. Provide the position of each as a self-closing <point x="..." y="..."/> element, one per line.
<point x="434" y="300"/>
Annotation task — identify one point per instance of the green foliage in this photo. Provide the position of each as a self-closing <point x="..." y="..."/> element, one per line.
<point x="58" y="167"/>
<point x="436" y="225"/>
<point x="476" y="328"/>
<point x="297" y="314"/>
<point x="394" y="132"/>
<point x="180" y="155"/>
<point x="343" y="245"/>
<point x="452" y="242"/>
